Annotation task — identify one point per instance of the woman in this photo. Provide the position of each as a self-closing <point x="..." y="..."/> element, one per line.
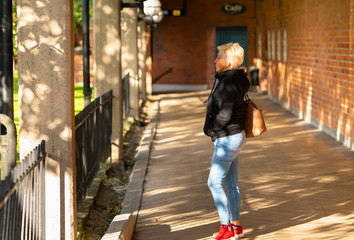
<point x="224" y="125"/>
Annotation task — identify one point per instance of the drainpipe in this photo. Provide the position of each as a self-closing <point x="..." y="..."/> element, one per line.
<point x="6" y="58"/>
<point x="8" y="146"/>
<point x="86" y="50"/>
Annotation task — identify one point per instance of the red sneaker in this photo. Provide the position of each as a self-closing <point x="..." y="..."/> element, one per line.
<point x="225" y="233"/>
<point x="238" y="232"/>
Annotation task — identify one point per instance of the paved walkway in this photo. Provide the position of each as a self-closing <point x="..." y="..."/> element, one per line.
<point x="296" y="182"/>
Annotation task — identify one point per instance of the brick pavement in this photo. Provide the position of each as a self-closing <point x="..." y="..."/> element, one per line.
<point x="296" y="182"/>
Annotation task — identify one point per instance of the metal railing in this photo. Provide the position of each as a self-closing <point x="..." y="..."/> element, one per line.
<point x="126" y="96"/>
<point x="93" y="133"/>
<point x="22" y="198"/>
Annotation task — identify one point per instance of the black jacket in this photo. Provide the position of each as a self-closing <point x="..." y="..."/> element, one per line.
<point x="224" y="108"/>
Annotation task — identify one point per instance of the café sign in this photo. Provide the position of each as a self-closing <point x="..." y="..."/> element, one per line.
<point x="233" y="8"/>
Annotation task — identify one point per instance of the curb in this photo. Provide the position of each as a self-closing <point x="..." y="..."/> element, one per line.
<point x="123" y="225"/>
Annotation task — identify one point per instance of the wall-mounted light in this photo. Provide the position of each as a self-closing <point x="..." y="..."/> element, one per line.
<point x="152" y="7"/>
<point x="158" y="17"/>
<point x="149" y="10"/>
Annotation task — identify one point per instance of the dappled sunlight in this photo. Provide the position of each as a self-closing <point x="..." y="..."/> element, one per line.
<point x="106" y="9"/>
<point x="282" y="81"/>
<point x="306" y="132"/>
<point x="54" y="124"/>
<point x="256" y="204"/>
<point x="172" y="139"/>
<point x="291" y="177"/>
<point x="39" y="33"/>
<point x="326" y="179"/>
<point x="158" y="191"/>
<point x="46" y="103"/>
<point x="200" y="218"/>
<point x="338" y="224"/>
<point x="107" y="38"/>
<point x="286" y="170"/>
<point x="319" y="97"/>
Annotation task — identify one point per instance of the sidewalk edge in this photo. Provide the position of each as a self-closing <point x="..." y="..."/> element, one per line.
<point x="123" y="225"/>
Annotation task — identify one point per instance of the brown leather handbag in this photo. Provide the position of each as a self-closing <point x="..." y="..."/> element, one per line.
<point x="254" y="123"/>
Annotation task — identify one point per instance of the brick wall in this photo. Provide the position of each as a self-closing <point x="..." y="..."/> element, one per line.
<point x="187" y="44"/>
<point x="78" y="58"/>
<point x="78" y="69"/>
<point x="305" y="55"/>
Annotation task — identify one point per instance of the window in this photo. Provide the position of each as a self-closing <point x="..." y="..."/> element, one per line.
<point x="279" y="46"/>
<point x="268" y="45"/>
<point x="259" y="44"/>
<point x="285" y="45"/>
<point x="273" y="45"/>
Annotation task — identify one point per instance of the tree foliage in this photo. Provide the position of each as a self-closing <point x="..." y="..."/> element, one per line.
<point x="14" y="26"/>
<point x="78" y="13"/>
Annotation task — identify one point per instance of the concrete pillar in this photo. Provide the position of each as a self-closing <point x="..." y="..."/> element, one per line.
<point x="107" y="64"/>
<point x="142" y="60"/>
<point x="46" y="103"/>
<point x="129" y="24"/>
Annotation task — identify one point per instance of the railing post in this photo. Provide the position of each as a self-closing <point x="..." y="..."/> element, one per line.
<point x="6" y="55"/>
<point x="8" y="146"/>
<point x="86" y="51"/>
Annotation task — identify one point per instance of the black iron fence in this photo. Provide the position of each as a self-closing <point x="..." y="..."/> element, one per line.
<point x="126" y="96"/>
<point x="22" y="198"/>
<point x="93" y="133"/>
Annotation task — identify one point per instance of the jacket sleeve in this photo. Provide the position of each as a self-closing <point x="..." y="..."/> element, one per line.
<point x="227" y="94"/>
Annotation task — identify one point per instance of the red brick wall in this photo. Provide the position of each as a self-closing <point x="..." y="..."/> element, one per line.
<point x="78" y="69"/>
<point x="187" y="43"/>
<point x="78" y="60"/>
<point x="316" y="80"/>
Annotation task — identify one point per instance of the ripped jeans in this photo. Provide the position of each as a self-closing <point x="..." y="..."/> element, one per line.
<point x="224" y="170"/>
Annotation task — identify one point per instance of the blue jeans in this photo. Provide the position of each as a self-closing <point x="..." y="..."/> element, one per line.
<point x="224" y="170"/>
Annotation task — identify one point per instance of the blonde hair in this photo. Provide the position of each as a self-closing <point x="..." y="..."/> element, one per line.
<point x="233" y="54"/>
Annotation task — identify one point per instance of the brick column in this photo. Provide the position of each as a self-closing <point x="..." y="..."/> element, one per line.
<point x="46" y="103"/>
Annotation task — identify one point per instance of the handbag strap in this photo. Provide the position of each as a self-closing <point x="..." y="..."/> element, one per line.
<point x="211" y="92"/>
<point x="249" y="101"/>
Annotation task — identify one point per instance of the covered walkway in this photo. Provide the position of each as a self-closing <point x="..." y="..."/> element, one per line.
<point x="296" y="182"/>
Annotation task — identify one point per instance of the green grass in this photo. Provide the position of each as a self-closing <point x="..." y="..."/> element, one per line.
<point x="16" y="101"/>
<point x="79" y="98"/>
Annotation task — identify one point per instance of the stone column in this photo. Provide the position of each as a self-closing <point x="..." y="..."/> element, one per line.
<point x="129" y="21"/>
<point x="107" y="64"/>
<point x="142" y="60"/>
<point x="46" y="103"/>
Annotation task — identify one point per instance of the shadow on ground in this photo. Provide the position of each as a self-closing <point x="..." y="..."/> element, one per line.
<point x="296" y="181"/>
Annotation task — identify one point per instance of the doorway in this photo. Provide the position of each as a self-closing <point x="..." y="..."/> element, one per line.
<point x="232" y="34"/>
